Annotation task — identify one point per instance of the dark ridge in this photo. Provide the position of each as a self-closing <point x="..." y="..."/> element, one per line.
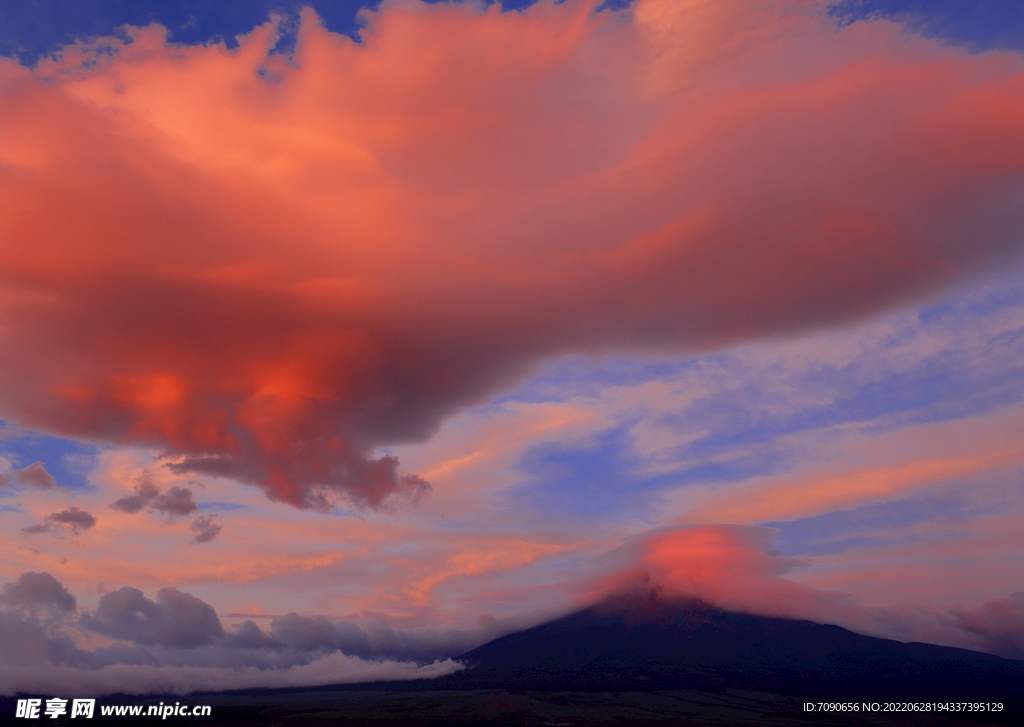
<point x="655" y="644"/>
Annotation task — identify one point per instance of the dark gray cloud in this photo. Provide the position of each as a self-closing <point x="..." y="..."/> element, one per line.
<point x="145" y="493"/>
<point x="71" y="519"/>
<point x="175" y="619"/>
<point x="204" y="528"/>
<point x="74" y="518"/>
<point x="174" y="502"/>
<point x="37" y="589"/>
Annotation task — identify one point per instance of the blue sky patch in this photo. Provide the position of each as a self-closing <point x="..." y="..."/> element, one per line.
<point x="979" y="25"/>
<point x="68" y="461"/>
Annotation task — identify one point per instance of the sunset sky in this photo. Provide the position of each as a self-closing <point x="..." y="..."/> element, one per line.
<point x="334" y="345"/>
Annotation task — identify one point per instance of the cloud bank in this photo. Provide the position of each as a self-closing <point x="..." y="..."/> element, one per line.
<point x="270" y="268"/>
<point x="145" y="679"/>
<point x="176" y="644"/>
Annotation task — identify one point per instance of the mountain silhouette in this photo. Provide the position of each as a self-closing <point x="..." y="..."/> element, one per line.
<point x="643" y="641"/>
<point x="642" y="660"/>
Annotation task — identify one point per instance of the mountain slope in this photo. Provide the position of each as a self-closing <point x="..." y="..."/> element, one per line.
<point x="691" y="645"/>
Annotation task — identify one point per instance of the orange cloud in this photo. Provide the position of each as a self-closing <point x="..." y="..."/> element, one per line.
<point x="501" y="556"/>
<point x="268" y="268"/>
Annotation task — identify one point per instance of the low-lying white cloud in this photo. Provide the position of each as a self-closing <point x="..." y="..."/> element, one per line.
<point x="335" y="668"/>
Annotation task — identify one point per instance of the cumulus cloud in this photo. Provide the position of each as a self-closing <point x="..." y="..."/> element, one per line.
<point x="269" y="268"/>
<point x="176" y="644"/>
<point x="37" y="589"/>
<point x="35" y="476"/>
<point x="144" y="493"/>
<point x="175" y="502"/>
<point x="72" y="519"/>
<point x="205" y="529"/>
<point x="175" y="619"/>
<point x="180" y="621"/>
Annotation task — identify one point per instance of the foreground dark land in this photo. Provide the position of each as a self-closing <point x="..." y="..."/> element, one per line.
<point x="577" y="708"/>
<point x="480" y="707"/>
<point x="642" y="661"/>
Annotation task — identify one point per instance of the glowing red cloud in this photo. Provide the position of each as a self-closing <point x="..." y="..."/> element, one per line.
<point x="268" y="269"/>
<point x="730" y="566"/>
<point x="736" y="568"/>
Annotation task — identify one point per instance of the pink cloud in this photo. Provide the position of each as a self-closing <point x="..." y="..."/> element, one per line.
<point x="943" y="563"/>
<point x="267" y="270"/>
<point x="734" y="567"/>
<point x="769" y="500"/>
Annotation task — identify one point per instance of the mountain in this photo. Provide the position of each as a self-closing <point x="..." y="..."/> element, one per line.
<point x="648" y="643"/>
<point x="644" y="661"/>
